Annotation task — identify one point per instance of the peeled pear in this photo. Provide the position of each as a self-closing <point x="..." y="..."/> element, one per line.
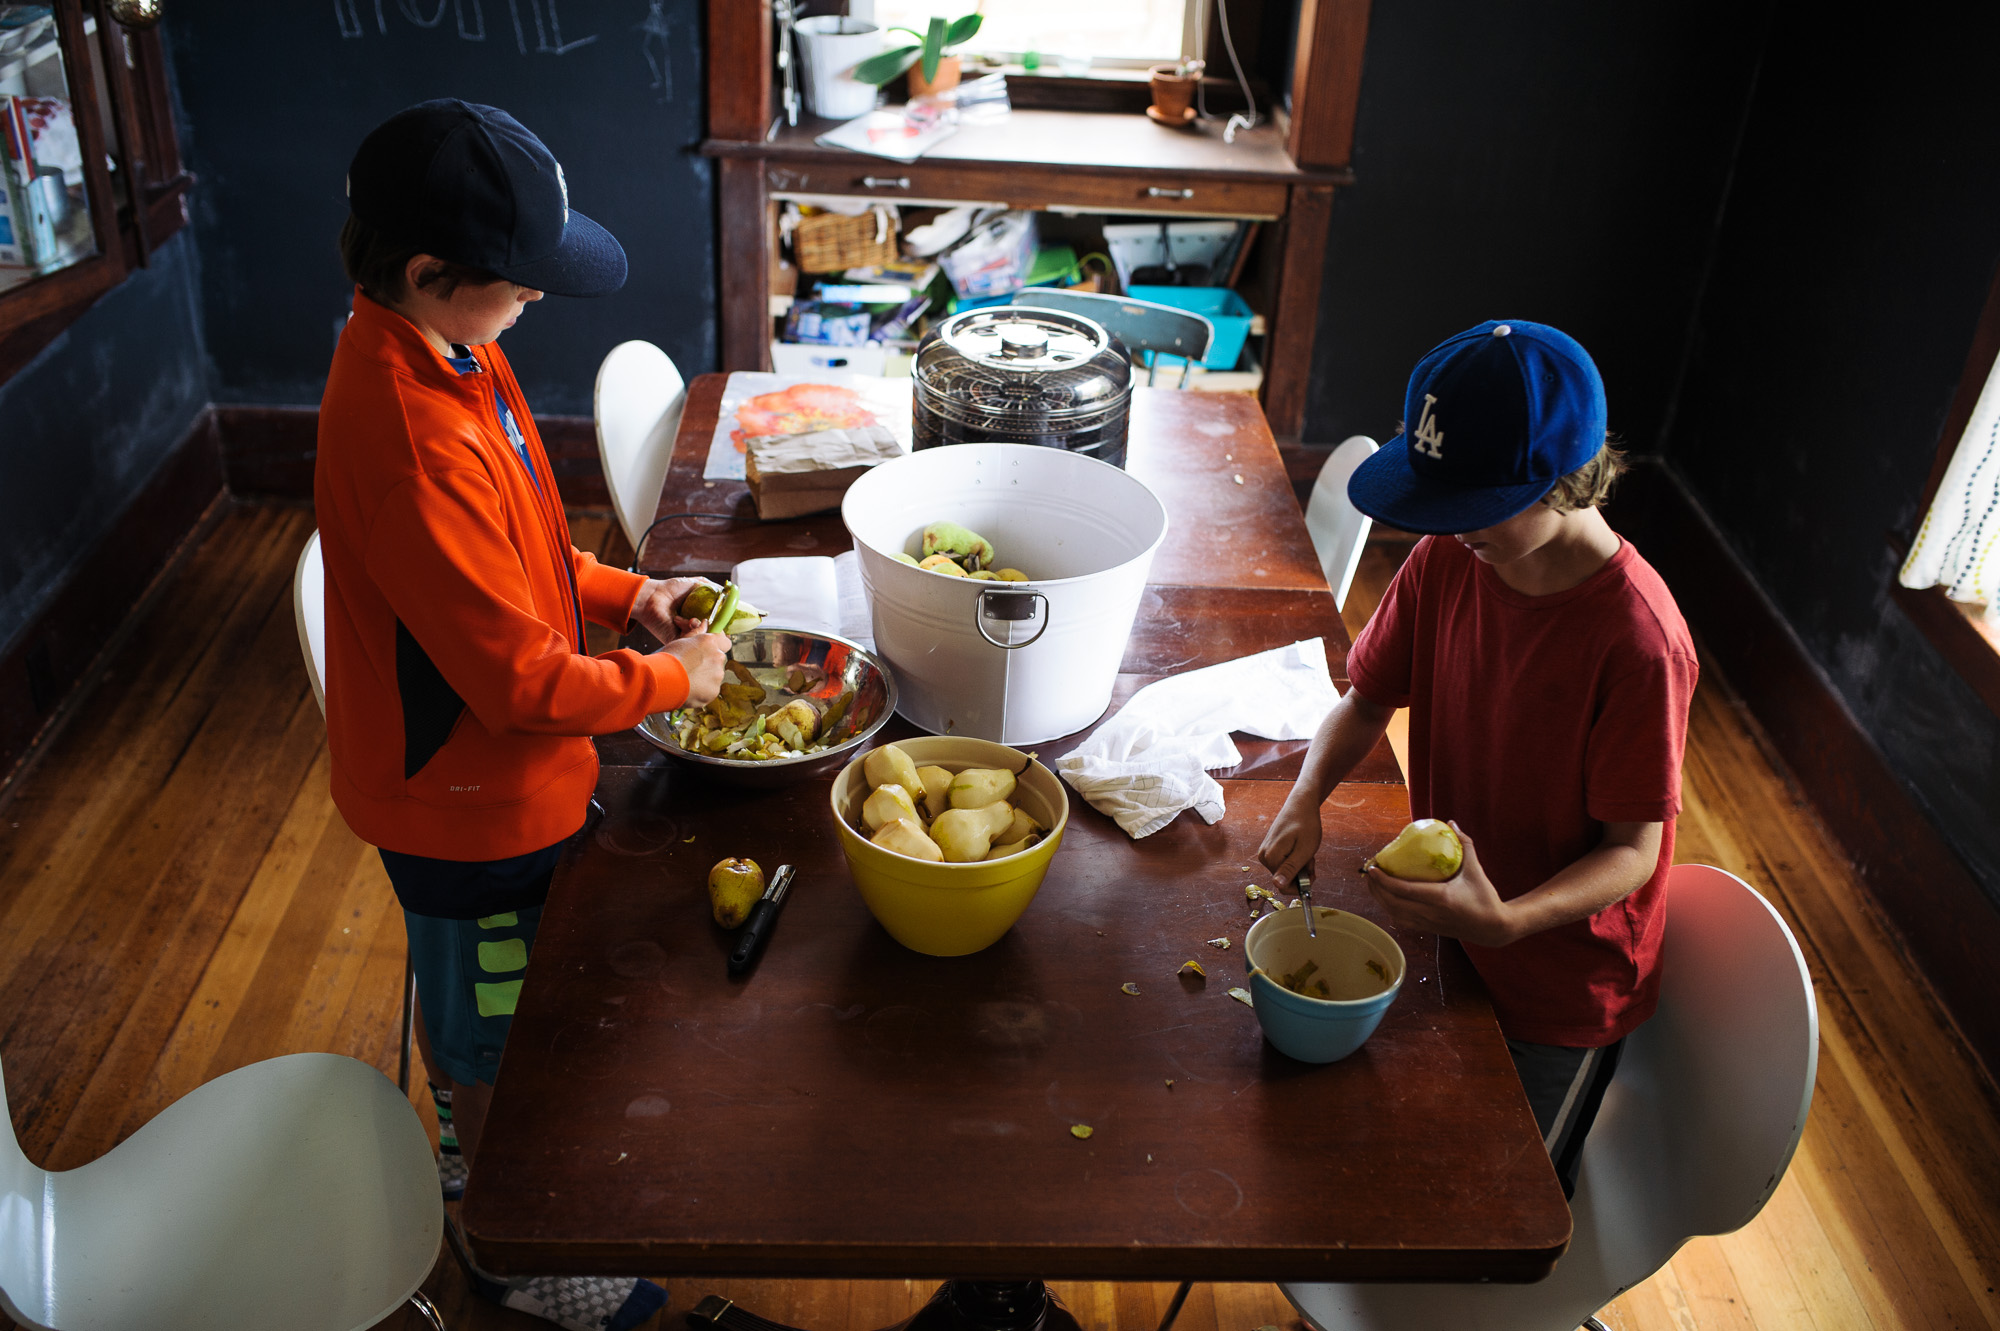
<point x="1427" y="851"/>
<point x="1021" y="828"/>
<point x="965" y="835"/>
<point x="796" y="722"/>
<point x="937" y="789"/>
<point x="942" y="564"/>
<point x="968" y="549"/>
<point x="906" y="836"/>
<point x="889" y="765"/>
<point x="700" y="601"/>
<point x="887" y="804"/>
<point x="977" y="787"/>
<point x="1011" y="848"/>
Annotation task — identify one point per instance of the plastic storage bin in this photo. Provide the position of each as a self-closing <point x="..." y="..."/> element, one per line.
<point x="1224" y="308"/>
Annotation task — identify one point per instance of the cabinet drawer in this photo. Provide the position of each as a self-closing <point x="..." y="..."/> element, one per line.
<point x="1033" y="187"/>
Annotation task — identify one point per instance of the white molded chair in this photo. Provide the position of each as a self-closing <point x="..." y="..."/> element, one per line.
<point x="1697" y="1127"/>
<point x="639" y="400"/>
<point x="297" y="1192"/>
<point x="1338" y="529"/>
<point x="309" y="614"/>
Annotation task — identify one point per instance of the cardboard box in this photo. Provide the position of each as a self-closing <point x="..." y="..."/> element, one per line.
<point x="793" y="475"/>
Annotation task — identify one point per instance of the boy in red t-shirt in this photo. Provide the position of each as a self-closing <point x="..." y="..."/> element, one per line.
<point x="1548" y="676"/>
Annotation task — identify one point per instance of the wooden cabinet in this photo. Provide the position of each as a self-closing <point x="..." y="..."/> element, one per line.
<point x="99" y="186"/>
<point x="1283" y="173"/>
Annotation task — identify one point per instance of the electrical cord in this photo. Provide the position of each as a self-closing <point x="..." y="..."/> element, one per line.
<point x="669" y="517"/>
<point x="1247" y="119"/>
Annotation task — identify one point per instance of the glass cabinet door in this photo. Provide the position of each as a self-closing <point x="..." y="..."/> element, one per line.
<point x="45" y="222"/>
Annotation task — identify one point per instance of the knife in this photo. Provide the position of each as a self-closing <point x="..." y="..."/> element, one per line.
<point x="762" y="916"/>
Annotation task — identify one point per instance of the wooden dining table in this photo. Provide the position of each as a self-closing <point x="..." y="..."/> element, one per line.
<point x="850" y="1108"/>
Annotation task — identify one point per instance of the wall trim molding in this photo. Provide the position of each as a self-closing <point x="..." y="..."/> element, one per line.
<point x="1937" y="911"/>
<point x="268" y="453"/>
<point x="68" y="638"/>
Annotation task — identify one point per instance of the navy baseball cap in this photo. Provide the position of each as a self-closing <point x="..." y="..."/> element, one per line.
<point x="470" y="184"/>
<point x="1492" y="419"/>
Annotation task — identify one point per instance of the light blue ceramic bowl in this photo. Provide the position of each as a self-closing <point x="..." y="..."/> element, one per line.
<point x="1356" y="971"/>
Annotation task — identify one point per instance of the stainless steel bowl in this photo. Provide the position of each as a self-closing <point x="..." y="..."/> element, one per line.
<point x="770" y="653"/>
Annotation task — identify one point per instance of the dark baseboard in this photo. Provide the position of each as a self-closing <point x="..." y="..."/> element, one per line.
<point x="1946" y="924"/>
<point x="57" y="648"/>
<point x="268" y="452"/>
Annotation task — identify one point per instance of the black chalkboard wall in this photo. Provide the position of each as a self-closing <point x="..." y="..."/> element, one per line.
<point x="277" y="97"/>
<point x="1562" y="161"/>
<point x="86" y="423"/>
<point x="1858" y="243"/>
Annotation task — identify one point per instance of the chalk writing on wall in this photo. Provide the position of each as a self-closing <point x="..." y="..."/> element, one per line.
<point x="539" y="32"/>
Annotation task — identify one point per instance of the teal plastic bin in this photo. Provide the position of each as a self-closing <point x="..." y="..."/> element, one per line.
<point x="1224" y="308"/>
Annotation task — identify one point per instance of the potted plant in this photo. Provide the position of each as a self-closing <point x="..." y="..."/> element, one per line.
<point x="931" y="70"/>
<point x="1173" y="91"/>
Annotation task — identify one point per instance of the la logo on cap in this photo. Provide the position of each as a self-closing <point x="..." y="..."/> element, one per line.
<point x="1429" y="439"/>
<point x="563" y="185"/>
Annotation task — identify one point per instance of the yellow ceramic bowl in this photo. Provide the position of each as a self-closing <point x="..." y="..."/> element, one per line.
<point x="950" y="910"/>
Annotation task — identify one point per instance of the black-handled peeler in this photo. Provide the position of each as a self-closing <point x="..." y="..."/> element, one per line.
<point x="762" y="916"/>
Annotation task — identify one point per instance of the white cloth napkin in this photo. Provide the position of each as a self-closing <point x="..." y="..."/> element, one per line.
<point x="1150" y="761"/>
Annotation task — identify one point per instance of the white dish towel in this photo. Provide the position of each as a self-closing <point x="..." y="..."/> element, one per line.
<point x="1152" y="759"/>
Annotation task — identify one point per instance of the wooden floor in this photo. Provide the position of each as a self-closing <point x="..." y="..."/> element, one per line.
<point x="178" y="898"/>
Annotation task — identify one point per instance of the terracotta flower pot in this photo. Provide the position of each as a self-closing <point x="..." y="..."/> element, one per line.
<point x="1173" y="93"/>
<point x="947" y="77"/>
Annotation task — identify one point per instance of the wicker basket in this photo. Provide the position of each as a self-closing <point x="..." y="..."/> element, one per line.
<point x="832" y="243"/>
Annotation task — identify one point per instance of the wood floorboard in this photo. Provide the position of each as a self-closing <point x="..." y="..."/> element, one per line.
<point x="178" y="898"/>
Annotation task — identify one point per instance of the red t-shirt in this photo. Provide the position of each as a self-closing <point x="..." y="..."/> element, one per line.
<point x="1534" y="720"/>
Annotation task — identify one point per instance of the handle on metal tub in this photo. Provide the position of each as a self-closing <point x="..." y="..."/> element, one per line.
<point x="1012" y="607"/>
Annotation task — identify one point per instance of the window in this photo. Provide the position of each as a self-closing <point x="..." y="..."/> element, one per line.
<point x="1106" y="32"/>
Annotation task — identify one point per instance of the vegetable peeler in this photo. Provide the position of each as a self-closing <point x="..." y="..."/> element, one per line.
<point x="762" y="916"/>
<point x="1304" y="884"/>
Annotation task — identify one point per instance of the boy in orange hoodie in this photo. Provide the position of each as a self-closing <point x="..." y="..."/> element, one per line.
<point x="460" y="694"/>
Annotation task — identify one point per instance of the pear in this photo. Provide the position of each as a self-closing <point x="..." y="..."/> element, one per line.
<point x="1021" y="828"/>
<point x="1427" y="851"/>
<point x="942" y="564"/>
<point x="965" y="835"/>
<point x="889" y="765"/>
<point x="968" y="549"/>
<point x="701" y="600"/>
<point x="900" y="557"/>
<point x="1011" y="848"/>
<point x="733" y="888"/>
<point x="796" y="722"/>
<point x="977" y="787"/>
<point x="906" y="836"/>
<point x="937" y="789"/>
<point x="888" y="803"/>
<point x="1010" y="575"/>
<point x="984" y="575"/>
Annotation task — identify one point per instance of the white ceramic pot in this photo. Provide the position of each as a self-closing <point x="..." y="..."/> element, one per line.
<point x="1082" y="530"/>
<point x="832" y="46"/>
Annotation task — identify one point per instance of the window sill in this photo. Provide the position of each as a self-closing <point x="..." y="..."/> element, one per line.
<point x="1970" y="643"/>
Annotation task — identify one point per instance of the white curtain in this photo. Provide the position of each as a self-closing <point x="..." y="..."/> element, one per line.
<point x="1958" y="547"/>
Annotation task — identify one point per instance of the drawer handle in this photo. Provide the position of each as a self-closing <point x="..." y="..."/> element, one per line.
<point x="1155" y="192"/>
<point x="885" y="182"/>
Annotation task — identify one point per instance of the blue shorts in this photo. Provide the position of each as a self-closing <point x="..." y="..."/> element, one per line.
<point x="471" y="926"/>
<point x="469" y="978"/>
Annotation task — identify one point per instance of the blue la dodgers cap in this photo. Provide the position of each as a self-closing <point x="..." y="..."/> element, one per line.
<point x="1492" y="419"/>
<point x="471" y="184"/>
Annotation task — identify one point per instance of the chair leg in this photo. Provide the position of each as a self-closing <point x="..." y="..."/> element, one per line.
<point x="409" y="1024"/>
<point x="427" y="1310"/>
<point x="1174" y="1308"/>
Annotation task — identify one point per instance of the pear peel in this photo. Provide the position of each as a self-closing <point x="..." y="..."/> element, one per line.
<point x="1426" y="851"/>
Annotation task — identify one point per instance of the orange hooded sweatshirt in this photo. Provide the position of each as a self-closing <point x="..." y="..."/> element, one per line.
<point x="458" y="694"/>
